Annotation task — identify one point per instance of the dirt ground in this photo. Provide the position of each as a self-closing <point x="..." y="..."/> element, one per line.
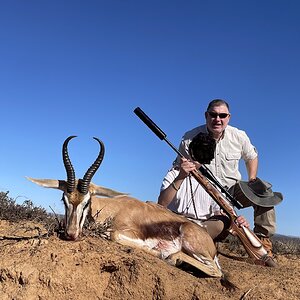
<point x="94" y="268"/>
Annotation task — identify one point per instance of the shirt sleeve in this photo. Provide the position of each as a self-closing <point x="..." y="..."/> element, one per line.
<point x="249" y="152"/>
<point x="169" y="178"/>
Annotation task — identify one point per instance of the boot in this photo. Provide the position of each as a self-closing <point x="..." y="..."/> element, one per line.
<point x="269" y="260"/>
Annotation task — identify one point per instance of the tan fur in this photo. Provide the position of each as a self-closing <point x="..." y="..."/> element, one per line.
<point x="137" y="220"/>
<point x="144" y="225"/>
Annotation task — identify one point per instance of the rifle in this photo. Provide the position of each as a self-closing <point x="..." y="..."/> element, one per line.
<point x="250" y="241"/>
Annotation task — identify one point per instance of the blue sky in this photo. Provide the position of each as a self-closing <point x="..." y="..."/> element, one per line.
<point x="81" y="67"/>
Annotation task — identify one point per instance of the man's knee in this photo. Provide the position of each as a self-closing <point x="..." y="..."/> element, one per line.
<point x="217" y="227"/>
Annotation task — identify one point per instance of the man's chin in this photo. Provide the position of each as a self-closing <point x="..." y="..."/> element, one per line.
<point x="217" y="130"/>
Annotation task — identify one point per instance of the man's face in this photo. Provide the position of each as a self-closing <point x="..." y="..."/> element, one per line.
<point x="217" y="119"/>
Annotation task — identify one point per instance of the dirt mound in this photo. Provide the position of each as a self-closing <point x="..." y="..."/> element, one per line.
<point x="94" y="268"/>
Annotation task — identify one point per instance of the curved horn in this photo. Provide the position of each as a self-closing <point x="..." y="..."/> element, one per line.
<point x="68" y="165"/>
<point x="85" y="182"/>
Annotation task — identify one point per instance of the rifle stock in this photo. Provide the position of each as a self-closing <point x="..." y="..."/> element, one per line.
<point x="250" y="241"/>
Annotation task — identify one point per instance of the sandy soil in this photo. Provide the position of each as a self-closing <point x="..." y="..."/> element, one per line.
<point x="94" y="268"/>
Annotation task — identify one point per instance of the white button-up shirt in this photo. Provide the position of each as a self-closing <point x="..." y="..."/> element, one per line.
<point x="191" y="199"/>
<point x="233" y="146"/>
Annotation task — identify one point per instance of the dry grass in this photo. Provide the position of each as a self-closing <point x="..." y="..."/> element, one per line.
<point x="13" y="212"/>
<point x="286" y="245"/>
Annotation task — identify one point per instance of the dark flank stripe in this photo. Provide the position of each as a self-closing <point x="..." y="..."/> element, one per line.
<point x="161" y="230"/>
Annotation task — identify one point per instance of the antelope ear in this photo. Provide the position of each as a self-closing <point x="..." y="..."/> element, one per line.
<point x="50" y="183"/>
<point x="102" y="191"/>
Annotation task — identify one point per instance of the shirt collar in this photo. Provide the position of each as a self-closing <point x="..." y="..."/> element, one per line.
<point x="222" y="136"/>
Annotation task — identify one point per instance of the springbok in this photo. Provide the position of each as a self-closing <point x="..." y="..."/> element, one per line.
<point x="135" y="223"/>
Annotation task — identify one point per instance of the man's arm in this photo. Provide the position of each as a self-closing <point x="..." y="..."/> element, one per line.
<point x="167" y="195"/>
<point x="252" y="166"/>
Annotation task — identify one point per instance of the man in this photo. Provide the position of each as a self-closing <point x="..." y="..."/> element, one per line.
<point x="232" y="145"/>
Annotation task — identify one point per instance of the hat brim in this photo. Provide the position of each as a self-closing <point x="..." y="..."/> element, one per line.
<point x="260" y="201"/>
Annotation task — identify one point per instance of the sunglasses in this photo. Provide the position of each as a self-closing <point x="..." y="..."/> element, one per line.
<point x="215" y="115"/>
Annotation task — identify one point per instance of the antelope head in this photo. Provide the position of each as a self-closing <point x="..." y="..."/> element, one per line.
<point x="77" y="193"/>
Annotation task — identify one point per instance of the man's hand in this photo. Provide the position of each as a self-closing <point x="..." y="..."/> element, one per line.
<point x="186" y="167"/>
<point x="241" y="221"/>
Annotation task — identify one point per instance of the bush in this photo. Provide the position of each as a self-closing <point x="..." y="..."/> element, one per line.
<point x="286" y="245"/>
<point x="12" y="211"/>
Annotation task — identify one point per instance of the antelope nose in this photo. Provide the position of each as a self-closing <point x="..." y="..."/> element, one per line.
<point x="72" y="236"/>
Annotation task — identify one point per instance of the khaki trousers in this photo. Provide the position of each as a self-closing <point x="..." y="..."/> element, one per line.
<point x="264" y="221"/>
<point x="217" y="226"/>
